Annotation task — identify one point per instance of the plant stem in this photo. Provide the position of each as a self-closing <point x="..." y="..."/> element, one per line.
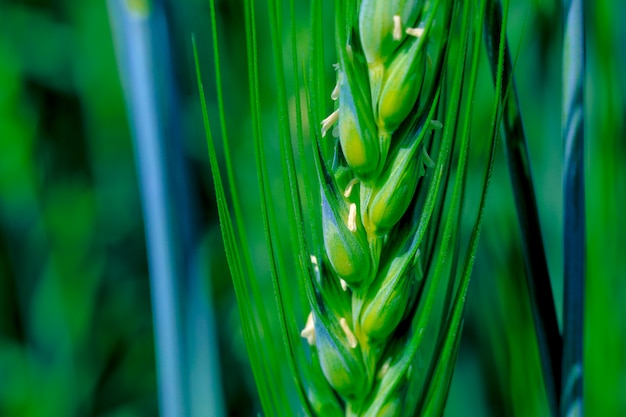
<point x="574" y="206"/>
<point x="133" y="36"/>
<point x="186" y="352"/>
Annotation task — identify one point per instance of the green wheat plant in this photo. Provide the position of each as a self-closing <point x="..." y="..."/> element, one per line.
<point x="383" y="231"/>
<point x="366" y="158"/>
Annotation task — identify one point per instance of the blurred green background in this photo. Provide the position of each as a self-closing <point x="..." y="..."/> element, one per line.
<point x="76" y="327"/>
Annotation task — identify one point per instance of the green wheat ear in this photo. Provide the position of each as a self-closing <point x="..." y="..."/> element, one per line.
<point x="378" y="247"/>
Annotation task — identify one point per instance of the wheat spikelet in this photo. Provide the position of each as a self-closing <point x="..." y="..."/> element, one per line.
<point x="371" y="185"/>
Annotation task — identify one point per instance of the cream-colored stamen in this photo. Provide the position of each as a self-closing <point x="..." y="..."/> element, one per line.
<point x="316" y="266"/>
<point x="417" y="32"/>
<point x="397" y="28"/>
<point x="309" y="330"/>
<point x="352" y="218"/>
<point x="352" y="342"/>
<point x="344" y="284"/>
<point x="329" y="121"/>
<point x="348" y="192"/>
<point x="335" y="94"/>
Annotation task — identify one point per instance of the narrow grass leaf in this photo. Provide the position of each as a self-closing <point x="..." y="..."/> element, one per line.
<point x="537" y="274"/>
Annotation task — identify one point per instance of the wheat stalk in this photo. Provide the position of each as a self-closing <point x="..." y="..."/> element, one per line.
<point x="382" y="261"/>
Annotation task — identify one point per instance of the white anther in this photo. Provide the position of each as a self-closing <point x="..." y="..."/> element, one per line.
<point x="384" y="368"/>
<point x="329" y="121"/>
<point x="309" y="330"/>
<point x="344" y="284"/>
<point x="397" y="28"/>
<point x="352" y="218"/>
<point x="348" y="192"/>
<point x="316" y="266"/>
<point x="335" y="93"/>
<point x="417" y="32"/>
<point x="352" y="342"/>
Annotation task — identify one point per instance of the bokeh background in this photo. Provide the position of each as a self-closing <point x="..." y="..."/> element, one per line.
<point x="76" y="310"/>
